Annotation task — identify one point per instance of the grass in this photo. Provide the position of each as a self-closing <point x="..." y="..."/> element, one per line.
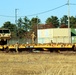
<point x="37" y="64"/>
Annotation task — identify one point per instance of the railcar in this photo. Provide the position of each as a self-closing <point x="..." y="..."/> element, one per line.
<point x="55" y="39"/>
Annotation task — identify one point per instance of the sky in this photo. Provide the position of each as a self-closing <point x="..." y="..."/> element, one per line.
<point x="33" y="8"/>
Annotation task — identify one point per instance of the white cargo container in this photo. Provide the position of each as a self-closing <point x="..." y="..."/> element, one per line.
<point x="45" y="35"/>
<point x="56" y="35"/>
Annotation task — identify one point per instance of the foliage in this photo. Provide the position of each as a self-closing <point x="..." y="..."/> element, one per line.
<point x="25" y="26"/>
<point x="54" y="20"/>
<point x="9" y="25"/>
<point x="34" y="24"/>
<point x="26" y="23"/>
<point x="72" y="22"/>
<point x="64" y="20"/>
<point x="20" y="23"/>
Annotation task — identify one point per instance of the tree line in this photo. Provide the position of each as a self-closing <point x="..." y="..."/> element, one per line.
<point x="25" y="26"/>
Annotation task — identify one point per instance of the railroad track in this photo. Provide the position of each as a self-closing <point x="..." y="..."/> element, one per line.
<point x="66" y="52"/>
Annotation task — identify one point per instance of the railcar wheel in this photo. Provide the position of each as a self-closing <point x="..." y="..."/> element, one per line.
<point x="74" y="48"/>
<point x="6" y="49"/>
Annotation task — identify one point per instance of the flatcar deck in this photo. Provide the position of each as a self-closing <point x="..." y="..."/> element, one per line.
<point x="12" y="46"/>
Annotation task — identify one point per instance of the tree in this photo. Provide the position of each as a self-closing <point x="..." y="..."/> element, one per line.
<point x="20" y="23"/>
<point x="72" y="22"/>
<point x="35" y="20"/>
<point x="64" y="20"/>
<point x="54" y="20"/>
<point x="63" y="26"/>
<point x="20" y="30"/>
<point x="9" y="25"/>
<point x="34" y="23"/>
<point x="26" y="24"/>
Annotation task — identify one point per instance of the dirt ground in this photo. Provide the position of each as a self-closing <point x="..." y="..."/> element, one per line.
<point x="37" y="63"/>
